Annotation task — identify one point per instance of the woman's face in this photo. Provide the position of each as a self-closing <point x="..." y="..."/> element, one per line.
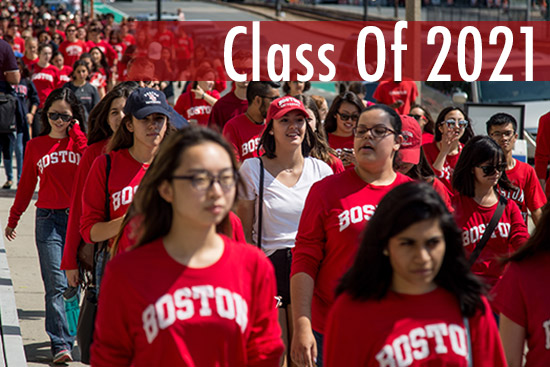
<point x="199" y="202"/>
<point x="81" y="33"/>
<point x="488" y="173"/>
<point x="80" y="73"/>
<point x="116" y="113"/>
<point x="416" y="255"/>
<point x="149" y="131"/>
<point x="346" y="118"/>
<point x="59" y="116"/>
<point x="57" y="61"/>
<point x="88" y="62"/>
<point x="45" y="55"/>
<point x="296" y="87"/>
<point x="450" y="124"/>
<point x="312" y="120"/>
<point x="418" y="114"/>
<point x="375" y="148"/>
<point x="96" y="56"/>
<point x="166" y="54"/>
<point x="323" y="111"/>
<point x="289" y="130"/>
<point x="57" y="39"/>
<point x="32" y="47"/>
<point x="208" y="81"/>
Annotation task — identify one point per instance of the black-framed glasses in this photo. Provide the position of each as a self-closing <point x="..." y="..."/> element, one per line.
<point x="491" y="169"/>
<point x="462" y="124"/>
<point x="55" y="116"/>
<point x="271" y="99"/>
<point x="204" y="180"/>
<point x="377" y="131"/>
<point x="346" y="117"/>
<point x="503" y="134"/>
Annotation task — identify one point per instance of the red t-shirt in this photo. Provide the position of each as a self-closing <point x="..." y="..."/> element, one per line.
<point x="225" y="109"/>
<point x="29" y="63"/>
<point x="432" y="151"/>
<point x="339" y="142"/>
<point x="129" y="39"/>
<point x="336" y="164"/>
<point x="244" y="135"/>
<point x="45" y="80"/>
<point x="529" y="194"/>
<point x="166" y="38"/>
<point x="195" y="109"/>
<point x="119" y="48"/>
<point x="442" y="190"/>
<point x="509" y="235"/>
<point x="427" y="138"/>
<point x="174" y="315"/>
<point x="125" y="175"/>
<point x="542" y="152"/>
<point x="334" y="216"/>
<point x="72" y="50"/>
<point x="106" y="48"/>
<point x="54" y="161"/>
<point x="409" y="330"/>
<point x="521" y="295"/>
<point x="19" y="44"/>
<point x="73" y="237"/>
<point x="98" y="80"/>
<point x="65" y="74"/>
<point x="389" y="92"/>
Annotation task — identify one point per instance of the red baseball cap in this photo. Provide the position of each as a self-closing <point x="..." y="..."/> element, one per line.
<point x="412" y="140"/>
<point x="281" y="106"/>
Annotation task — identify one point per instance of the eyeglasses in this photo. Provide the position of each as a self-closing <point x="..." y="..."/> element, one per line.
<point x="151" y="84"/>
<point x="55" y="116"/>
<point x="505" y="134"/>
<point x="377" y="132"/>
<point x="491" y="169"/>
<point x="417" y="117"/>
<point x="203" y="181"/>
<point x="270" y="98"/>
<point x="462" y="124"/>
<point x="346" y="117"/>
<point x="70" y="30"/>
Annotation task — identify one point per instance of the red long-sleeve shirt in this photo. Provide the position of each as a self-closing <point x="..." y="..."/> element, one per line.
<point x="45" y="80"/>
<point x="172" y="315"/>
<point x="55" y="162"/>
<point x="509" y="235"/>
<point x="73" y="237"/>
<point x="195" y="109"/>
<point x="335" y="214"/>
<point x="125" y="175"/>
<point x="409" y="330"/>
<point x="446" y="175"/>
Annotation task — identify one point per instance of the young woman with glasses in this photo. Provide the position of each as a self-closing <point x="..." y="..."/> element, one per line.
<point x="410" y="299"/>
<point x="424" y="118"/>
<point x="53" y="157"/>
<point x="289" y="172"/>
<point x="339" y="123"/>
<point x="452" y="131"/>
<point x="481" y="168"/>
<point x="202" y="299"/>
<point x="335" y="213"/>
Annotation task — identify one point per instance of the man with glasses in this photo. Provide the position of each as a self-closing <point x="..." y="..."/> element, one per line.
<point x="94" y="35"/>
<point x="244" y="131"/>
<point x="72" y="48"/>
<point x="528" y="194"/>
<point x="235" y="102"/>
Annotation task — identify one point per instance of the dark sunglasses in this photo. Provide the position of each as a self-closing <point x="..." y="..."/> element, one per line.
<point x="55" y="116"/>
<point x="491" y="169"/>
<point x="462" y="124"/>
<point x="416" y="117"/>
<point x="346" y="117"/>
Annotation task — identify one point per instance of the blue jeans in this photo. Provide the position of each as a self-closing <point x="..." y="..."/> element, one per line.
<point x="19" y="155"/>
<point x="51" y="226"/>
<point x="319" y="338"/>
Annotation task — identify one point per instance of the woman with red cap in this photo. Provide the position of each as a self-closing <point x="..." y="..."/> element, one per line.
<point x="276" y="187"/>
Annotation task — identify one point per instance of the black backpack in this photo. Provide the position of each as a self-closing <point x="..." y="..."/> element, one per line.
<point x="8" y="106"/>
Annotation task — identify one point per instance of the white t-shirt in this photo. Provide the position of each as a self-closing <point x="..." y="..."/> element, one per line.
<point x="283" y="205"/>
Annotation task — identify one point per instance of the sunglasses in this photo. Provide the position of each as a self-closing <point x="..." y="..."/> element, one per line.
<point x="346" y="117"/>
<point x="491" y="169"/>
<point x="417" y="117"/>
<point x="55" y="116"/>
<point x="462" y="124"/>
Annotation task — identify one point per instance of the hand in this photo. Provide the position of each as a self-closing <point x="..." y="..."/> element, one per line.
<point x="303" y="350"/>
<point x="30" y="118"/>
<point x="348" y="158"/>
<point x="447" y="140"/>
<point x="10" y="233"/>
<point x="199" y="93"/>
<point x="73" y="277"/>
<point x="72" y="123"/>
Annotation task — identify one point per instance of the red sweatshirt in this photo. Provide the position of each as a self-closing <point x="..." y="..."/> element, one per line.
<point x="409" y="330"/>
<point x="432" y="151"/>
<point x="72" y="50"/>
<point x="174" y="315"/>
<point x="225" y="109"/>
<point x="509" y="235"/>
<point x="529" y="194"/>
<point x="54" y="161"/>
<point x="195" y="109"/>
<point x="73" y="238"/>
<point x="335" y="213"/>
<point x="124" y="178"/>
<point x="521" y="296"/>
<point x="45" y="80"/>
<point x="244" y="135"/>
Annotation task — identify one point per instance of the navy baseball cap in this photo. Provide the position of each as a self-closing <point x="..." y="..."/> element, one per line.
<point x="146" y="101"/>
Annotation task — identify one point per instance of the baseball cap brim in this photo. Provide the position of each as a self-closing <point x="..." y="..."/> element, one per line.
<point x="410" y="155"/>
<point x="149" y="110"/>
<point x="283" y="112"/>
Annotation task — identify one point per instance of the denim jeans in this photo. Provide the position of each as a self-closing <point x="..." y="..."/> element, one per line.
<point x="51" y="226"/>
<point x="319" y="338"/>
<point x="7" y="141"/>
<point x="19" y="155"/>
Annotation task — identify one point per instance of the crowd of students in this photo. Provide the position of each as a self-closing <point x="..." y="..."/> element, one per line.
<point x="384" y="237"/>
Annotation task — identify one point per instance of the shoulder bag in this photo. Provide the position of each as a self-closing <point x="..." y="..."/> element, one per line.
<point x="260" y="204"/>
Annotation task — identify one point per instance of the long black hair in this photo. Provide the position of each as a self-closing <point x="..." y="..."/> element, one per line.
<point x="67" y="95"/>
<point x="370" y="277"/>
<point x="350" y="97"/>
<point x="478" y="150"/>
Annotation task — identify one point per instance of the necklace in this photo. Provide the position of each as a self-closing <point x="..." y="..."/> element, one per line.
<point x="251" y="119"/>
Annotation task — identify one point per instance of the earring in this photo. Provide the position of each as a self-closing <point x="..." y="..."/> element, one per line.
<point x="385" y="252"/>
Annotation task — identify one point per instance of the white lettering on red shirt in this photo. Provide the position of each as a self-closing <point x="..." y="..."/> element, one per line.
<point x="61" y="156"/>
<point x="250" y="146"/>
<point x="123" y="197"/>
<point x="546" y="327"/>
<point x="182" y="305"/>
<point x="355" y="215"/>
